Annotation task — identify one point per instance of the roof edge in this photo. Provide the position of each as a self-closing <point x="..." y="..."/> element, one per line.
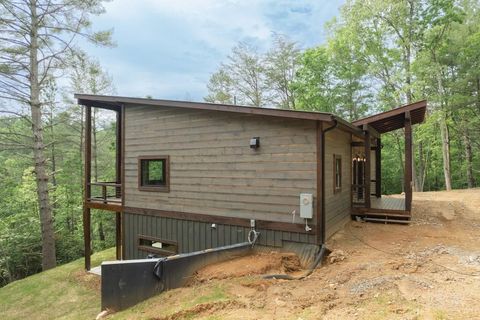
<point x="114" y="102"/>
<point x="399" y="110"/>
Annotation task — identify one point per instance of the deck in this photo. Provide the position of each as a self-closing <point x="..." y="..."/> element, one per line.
<point x="384" y="208"/>
<point x="106" y="196"/>
<point x="387" y="203"/>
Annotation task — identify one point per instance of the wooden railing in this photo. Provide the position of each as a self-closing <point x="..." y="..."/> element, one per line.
<point x="358" y="193"/>
<point x="102" y="192"/>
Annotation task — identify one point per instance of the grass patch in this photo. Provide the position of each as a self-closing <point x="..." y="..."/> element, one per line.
<point x="174" y="301"/>
<point x="65" y="292"/>
<point x="217" y="293"/>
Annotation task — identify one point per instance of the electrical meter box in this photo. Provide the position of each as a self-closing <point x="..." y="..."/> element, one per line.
<point x="306" y="205"/>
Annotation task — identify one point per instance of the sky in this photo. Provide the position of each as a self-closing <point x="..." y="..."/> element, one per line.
<point x="168" y="49"/>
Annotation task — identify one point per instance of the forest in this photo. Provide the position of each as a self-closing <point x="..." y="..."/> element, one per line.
<point x="377" y="55"/>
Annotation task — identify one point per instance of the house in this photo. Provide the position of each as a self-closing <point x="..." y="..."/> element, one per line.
<point x="192" y="176"/>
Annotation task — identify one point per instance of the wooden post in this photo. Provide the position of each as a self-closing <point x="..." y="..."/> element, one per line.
<point x="118" y="190"/>
<point x="367" y="168"/>
<point x="122" y="179"/>
<point x="118" y="152"/>
<point x="88" y="173"/>
<point x="118" y="235"/>
<point x="378" y="169"/>
<point x="408" y="162"/>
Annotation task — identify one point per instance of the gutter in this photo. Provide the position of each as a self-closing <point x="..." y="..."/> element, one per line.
<point x="335" y="125"/>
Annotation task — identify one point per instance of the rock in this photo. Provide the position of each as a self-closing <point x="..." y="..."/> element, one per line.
<point x="448" y="212"/>
<point x="337" y="256"/>
<point x="103" y="314"/>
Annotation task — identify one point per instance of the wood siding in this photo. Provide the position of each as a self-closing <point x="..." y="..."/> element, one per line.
<point x="212" y="168"/>
<point x="194" y="235"/>
<point x="338" y="204"/>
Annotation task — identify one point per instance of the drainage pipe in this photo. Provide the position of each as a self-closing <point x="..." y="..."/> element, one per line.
<point x="315" y="264"/>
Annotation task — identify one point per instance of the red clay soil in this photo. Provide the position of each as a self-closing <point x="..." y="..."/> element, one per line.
<point x="429" y="269"/>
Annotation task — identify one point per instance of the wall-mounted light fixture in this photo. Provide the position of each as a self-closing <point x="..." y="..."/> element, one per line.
<point x="255" y="143"/>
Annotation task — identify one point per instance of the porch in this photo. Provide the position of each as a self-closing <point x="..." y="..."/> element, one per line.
<point x="103" y="195"/>
<point x="385" y="207"/>
<point x="367" y="199"/>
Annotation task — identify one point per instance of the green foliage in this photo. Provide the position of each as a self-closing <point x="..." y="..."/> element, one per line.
<point x="312" y="84"/>
<point x="20" y="238"/>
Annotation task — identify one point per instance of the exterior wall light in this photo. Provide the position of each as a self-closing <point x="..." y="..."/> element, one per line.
<point x="255" y="143"/>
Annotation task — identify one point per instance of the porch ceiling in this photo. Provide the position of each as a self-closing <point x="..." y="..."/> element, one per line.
<point x="395" y="118"/>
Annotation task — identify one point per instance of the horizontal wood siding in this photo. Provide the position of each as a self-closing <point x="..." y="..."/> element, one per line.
<point x="338" y="204"/>
<point x="212" y="168"/>
<point x="194" y="235"/>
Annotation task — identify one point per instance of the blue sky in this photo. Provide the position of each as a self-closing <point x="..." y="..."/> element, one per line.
<point x="169" y="48"/>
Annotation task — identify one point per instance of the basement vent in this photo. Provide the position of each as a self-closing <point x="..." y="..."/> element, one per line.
<point x="157" y="246"/>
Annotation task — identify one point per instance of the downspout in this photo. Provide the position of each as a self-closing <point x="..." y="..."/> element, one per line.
<point x="335" y="124"/>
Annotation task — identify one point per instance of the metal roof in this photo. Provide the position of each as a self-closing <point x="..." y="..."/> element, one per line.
<point x="395" y="119"/>
<point x="115" y="102"/>
<point x="382" y="122"/>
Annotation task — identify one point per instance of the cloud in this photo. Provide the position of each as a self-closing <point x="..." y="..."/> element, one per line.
<point x="169" y="48"/>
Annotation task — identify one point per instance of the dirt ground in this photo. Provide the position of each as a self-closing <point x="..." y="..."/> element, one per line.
<point x="429" y="269"/>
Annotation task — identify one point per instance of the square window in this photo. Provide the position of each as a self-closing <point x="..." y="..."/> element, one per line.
<point x="153" y="173"/>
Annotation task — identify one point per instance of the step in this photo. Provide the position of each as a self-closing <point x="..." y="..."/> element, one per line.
<point x="387" y="220"/>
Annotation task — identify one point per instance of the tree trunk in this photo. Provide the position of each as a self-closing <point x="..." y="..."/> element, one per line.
<point x="400" y="158"/>
<point x="101" y="232"/>
<point x="443" y="127"/>
<point x="420" y="171"/>
<point x="446" y="153"/>
<point x="46" y="219"/>
<point x="52" y="157"/>
<point x="468" y="157"/>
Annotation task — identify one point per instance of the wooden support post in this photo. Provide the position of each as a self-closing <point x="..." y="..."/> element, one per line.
<point x="88" y="173"/>
<point x="118" y="190"/>
<point x="368" y="161"/>
<point x="320" y="230"/>
<point x="118" y="153"/>
<point x="104" y="193"/>
<point x="378" y="169"/>
<point x="118" y="235"/>
<point x="408" y="162"/>
<point x="122" y="179"/>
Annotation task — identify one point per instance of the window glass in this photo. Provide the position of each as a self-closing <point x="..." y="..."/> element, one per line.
<point x="153" y="173"/>
<point x="338" y="172"/>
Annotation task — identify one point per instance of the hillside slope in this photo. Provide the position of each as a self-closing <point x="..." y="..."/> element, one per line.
<point x="66" y="292"/>
<point x="427" y="270"/>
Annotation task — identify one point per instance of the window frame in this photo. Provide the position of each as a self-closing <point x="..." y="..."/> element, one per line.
<point x="156" y="188"/>
<point x="337" y="157"/>
<point x="154" y="250"/>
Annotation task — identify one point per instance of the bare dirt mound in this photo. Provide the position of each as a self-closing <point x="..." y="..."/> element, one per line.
<point x="257" y="264"/>
<point x="429" y="269"/>
<point x="448" y="205"/>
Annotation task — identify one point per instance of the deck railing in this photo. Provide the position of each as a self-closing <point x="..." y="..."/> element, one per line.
<point x="358" y="193"/>
<point x="106" y="192"/>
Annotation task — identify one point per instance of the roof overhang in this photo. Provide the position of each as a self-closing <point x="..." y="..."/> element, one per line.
<point x="115" y="103"/>
<point x="395" y="118"/>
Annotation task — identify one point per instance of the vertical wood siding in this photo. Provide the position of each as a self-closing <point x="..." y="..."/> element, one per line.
<point x="212" y="168"/>
<point x="194" y="235"/>
<point x="337" y="205"/>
